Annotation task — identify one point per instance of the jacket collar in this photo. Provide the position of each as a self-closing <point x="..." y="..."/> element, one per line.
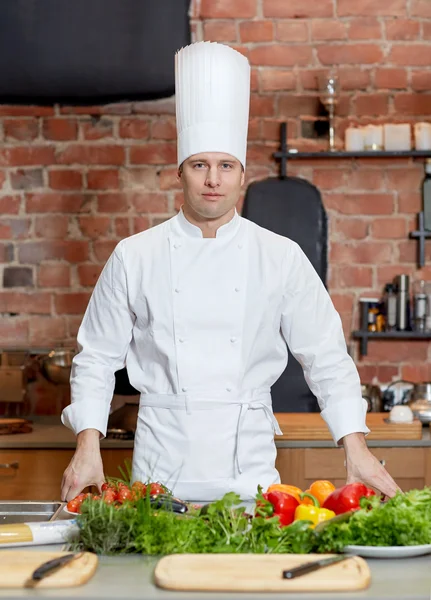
<point x="183" y="227"/>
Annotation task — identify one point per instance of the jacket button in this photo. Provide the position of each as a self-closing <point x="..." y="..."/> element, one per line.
<point x="181" y="340"/>
<point x="239" y="246"/>
<point x="233" y="339"/>
<point x="177" y="290"/>
<point x="237" y="289"/>
<point x="184" y="389"/>
<point x="176" y="246"/>
<point x="228" y="389"/>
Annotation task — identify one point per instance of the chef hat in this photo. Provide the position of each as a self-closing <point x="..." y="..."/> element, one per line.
<point x="212" y="87"/>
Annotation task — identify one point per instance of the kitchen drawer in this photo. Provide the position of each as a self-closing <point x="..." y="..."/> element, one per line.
<point x="323" y="463"/>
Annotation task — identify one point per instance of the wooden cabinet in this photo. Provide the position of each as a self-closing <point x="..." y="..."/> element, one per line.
<point x="410" y="467"/>
<point x="35" y="474"/>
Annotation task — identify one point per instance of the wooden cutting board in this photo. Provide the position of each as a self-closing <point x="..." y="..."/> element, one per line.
<point x="257" y="573"/>
<point x="16" y="567"/>
<point x="12" y="425"/>
<point x="311" y="426"/>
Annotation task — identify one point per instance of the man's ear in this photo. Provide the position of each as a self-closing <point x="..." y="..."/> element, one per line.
<point x="242" y="177"/>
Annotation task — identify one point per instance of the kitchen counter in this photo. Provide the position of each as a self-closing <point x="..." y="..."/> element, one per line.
<point x="50" y="433"/>
<point x="130" y="578"/>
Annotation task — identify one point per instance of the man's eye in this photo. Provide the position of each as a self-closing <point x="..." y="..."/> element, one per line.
<point x="199" y="165"/>
<point x="227" y="166"/>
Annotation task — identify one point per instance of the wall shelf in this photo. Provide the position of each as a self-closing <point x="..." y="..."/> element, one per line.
<point x="292" y="154"/>
<point x="364" y="336"/>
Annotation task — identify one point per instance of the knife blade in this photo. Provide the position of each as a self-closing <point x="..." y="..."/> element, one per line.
<point x="309" y="567"/>
<point x="50" y="566"/>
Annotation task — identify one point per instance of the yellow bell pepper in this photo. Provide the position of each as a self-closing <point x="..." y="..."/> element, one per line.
<point x="313" y="512"/>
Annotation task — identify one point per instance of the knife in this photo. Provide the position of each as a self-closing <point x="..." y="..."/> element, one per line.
<point x="49" y="567"/>
<point x="314" y="566"/>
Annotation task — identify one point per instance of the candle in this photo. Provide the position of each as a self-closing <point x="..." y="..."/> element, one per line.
<point x="423" y="136"/>
<point x="373" y="135"/>
<point x="354" y="139"/>
<point x="398" y="137"/>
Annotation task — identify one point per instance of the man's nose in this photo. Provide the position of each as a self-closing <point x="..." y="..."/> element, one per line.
<point x="213" y="177"/>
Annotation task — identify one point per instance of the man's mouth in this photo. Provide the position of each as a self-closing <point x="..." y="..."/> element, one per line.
<point x="214" y="196"/>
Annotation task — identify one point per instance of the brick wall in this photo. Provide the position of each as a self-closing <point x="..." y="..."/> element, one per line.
<point x="74" y="181"/>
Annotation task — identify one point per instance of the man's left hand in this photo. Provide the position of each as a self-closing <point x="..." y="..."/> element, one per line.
<point x="363" y="466"/>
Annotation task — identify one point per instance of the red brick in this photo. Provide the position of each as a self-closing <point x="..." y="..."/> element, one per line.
<point x="122" y="227"/>
<point x="293" y="105"/>
<point x="71" y="303"/>
<point x="226" y="9"/>
<point x="416" y="373"/>
<point x="21" y="156"/>
<point x="20" y="110"/>
<point x="134" y="128"/>
<point x="65" y="179"/>
<point x="343" y="302"/>
<point x="261" y="106"/>
<point x="52" y="226"/>
<point x="421" y="81"/>
<point x="387" y="273"/>
<point x="404" y="179"/>
<point x="60" y="129"/>
<point x="426" y="30"/>
<point x="296" y="9"/>
<point x="165" y="106"/>
<point x="402" y="29"/>
<point x="254" y="129"/>
<point x="372" y="105"/>
<point x="31" y="303"/>
<point x="140" y="224"/>
<point x="420" y="8"/>
<point x="408" y="251"/>
<point x="97" y="129"/>
<point x="89" y="274"/>
<point x="24" y="179"/>
<point x="113" y="203"/>
<point x="169" y="179"/>
<point x="116" y="108"/>
<point x="329" y="179"/>
<point x="412" y="104"/>
<point x="349" y="229"/>
<point x="291" y="31"/>
<point x="2" y="179"/>
<point x="345" y="54"/>
<point x="360" y="204"/>
<point x="94" y="227"/>
<point x="410" y="55"/>
<point x="141" y="178"/>
<point x="366" y="179"/>
<point x="390" y="8"/>
<point x="103" y="179"/>
<point x="280" y="55"/>
<point x="390" y="79"/>
<point x="14" y="332"/>
<point x="365" y="252"/>
<point x="260" y="153"/>
<point x="409" y="202"/>
<point x="21" y="129"/>
<point x="46" y="330"/>
<point x="164" y="129"/>
<point x="74" y="251"/>
<point x="254" y="80"/>
<point x="154" y="153"/>
<point x="383" y="373"/>
<point x="389" y="351"/>
<point x="73" y="325"/>
<point x="92" y="154"/>
<point x="367" y="28"/>
<point x="355" y="277"/>
<point x="9" y="205"/>
<point x="103" y="249"/>
<point x="54" y="276"/>
<point x="14" y="228"/>
<point x="391" y="229"/>
<point x="256" y="31"/>
<point x="277" y="79"/>
<point x="271" y="131"/>
<point x="150" y="202"/>
<point x="220" y="31"/>
<point x="328" y="29"/>
<point x="55" y="202"/>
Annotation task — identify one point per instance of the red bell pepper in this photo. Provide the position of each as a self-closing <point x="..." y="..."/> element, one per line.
<point x="284" y="506"/>
<point x="347" y="498"/>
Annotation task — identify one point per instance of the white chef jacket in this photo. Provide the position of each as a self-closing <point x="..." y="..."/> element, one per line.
<point x="202" y="326"/>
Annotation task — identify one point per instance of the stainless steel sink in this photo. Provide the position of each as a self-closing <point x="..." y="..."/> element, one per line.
<point x="27" y="511"/>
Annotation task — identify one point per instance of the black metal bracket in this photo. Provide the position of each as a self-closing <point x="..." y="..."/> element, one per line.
<point x="365" y="335"/>
<point x="421" y="234"/>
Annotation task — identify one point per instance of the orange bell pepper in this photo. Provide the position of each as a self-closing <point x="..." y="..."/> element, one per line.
<point x="287" y="489"/>
<point x="320" y="489"/>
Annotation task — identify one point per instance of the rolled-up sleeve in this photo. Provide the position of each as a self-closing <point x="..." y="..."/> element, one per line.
<point x="313" y="332"/>
<point x="103" y="341"/>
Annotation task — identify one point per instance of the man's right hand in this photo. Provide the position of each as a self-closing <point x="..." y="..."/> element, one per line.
<point x="86" y="466"/>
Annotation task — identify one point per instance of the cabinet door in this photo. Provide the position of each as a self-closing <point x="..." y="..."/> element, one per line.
<point x="113" y="459"/>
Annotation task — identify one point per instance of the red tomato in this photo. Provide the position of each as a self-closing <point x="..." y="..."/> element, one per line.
<point x="109" y="497"/>
<point x="124" y="494"/>
<point x="107" y="486"/>
<point x="155" y="489"/>
<point x="138" y="490"/>
<point x="73" y="506"/>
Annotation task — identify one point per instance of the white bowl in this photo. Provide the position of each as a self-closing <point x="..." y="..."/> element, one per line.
<point x="401" y="414"/>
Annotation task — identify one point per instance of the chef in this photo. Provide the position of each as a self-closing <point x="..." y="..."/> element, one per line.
<point x="201" y="310"/>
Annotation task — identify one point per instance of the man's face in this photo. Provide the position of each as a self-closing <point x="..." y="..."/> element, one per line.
<point x="212" y="183"/>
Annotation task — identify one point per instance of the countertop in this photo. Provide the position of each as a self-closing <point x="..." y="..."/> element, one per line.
<point x="130" y="578"/>
<point x="49" y="432"/>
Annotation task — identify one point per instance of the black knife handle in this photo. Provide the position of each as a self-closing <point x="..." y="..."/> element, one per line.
<point x="301" y="570"/>
<point x="49" y="566"/>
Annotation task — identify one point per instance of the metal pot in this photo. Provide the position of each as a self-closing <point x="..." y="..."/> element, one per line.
<point x="373" y="395"/>
<point x="125" y="417"/>
<point x="56" y="366"/>
<point x="420" y="401"/>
